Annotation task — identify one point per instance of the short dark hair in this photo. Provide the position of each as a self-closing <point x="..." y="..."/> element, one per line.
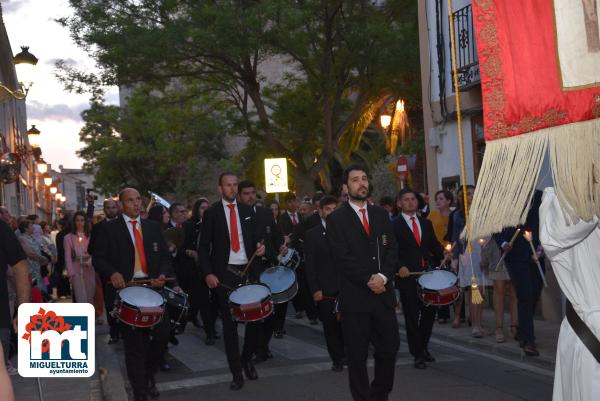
<point x="327" y="200"/>
<point x="386" y="201"/>
<point x="405" y="191"/>
<point x="175" y="205"/>
<point x="24" y="225"/>
<point x="447" y="194"/>
<point x="32" y="217"/>
<point x="245" y="184"/>
<point x="225" y="174"/>
<point x="354" y="167"/>
<point x="316" y="198"/>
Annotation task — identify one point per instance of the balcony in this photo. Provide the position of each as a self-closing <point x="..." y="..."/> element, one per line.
<point x="467" y="61"/>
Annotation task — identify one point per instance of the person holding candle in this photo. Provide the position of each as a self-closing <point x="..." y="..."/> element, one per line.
<point x="523" y="271"/>
<point x="78" y="260"/>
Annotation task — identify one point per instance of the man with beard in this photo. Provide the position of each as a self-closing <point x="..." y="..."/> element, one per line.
<point x="274" y="245"/>
<point x="366" y="257"/>
<point x="228" y="239"/>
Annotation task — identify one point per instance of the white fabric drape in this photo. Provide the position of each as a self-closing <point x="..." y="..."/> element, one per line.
<point x="574" y="250"/>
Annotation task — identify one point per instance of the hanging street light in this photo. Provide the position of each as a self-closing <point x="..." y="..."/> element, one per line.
<point x="25" y="63"/>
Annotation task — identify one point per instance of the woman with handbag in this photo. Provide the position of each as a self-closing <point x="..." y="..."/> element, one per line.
<point x="78" y="261"/>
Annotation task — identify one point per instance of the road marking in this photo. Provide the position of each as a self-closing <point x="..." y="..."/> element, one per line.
<point x="196" y="356"/>
<point x="275" y="371"/>
<point x="456" y="347"/>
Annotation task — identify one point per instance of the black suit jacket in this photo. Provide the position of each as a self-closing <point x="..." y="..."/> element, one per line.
<point x="410" y="254"/>
<point x="285" y="223"/>
<point x="355" y="255"/>
<point x="214" y="247"/>
<point x="320" y="269"/>
<point x="114" y="250"/>
<point x="270" y="232"/>
<point x="300" y="229"/>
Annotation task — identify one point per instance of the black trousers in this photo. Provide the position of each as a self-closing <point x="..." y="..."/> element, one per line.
<point x="528" y="286"/>
<point x="418" y="319"/>
<point x="230" y="335"/>
<point x="279" y="314"/>
<point x="143" y="351"/>
<point x="332" y="330"/>
<point x="303" y="300"/>
<point x="109" y="304"/>
<point x="199" y="297"/>
<point x="380" y="328"/>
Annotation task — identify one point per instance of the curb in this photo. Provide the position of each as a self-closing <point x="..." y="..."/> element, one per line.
<point x="109" y="369"/>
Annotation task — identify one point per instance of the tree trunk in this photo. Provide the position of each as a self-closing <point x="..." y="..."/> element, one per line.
<point x="304" y="185"/>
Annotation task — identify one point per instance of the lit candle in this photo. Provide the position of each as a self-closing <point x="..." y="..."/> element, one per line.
<point x="481" y="241"/>
<point x="448" y="247"/>
<point x="528" y="235"/>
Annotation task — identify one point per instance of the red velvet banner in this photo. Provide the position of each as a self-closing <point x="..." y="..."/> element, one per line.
<point x="539" y="63"/>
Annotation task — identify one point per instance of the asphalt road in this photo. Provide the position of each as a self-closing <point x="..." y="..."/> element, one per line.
<point x="300" y="371"/>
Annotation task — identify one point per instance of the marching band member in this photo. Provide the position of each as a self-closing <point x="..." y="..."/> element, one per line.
<point x="323" y="282"/>
<point x="228" y="238"/>
<point x="131" y="248"/>
<point x="418" y="248"/>
<point x="366" y="257"/>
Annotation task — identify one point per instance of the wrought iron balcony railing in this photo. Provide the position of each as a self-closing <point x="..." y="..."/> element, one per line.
<point x="467" y="61"/>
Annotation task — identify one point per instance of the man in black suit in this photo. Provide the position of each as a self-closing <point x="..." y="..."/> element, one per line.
<point x="274" y="246"/>
<point x="290" y="218"/>
<point x="366" y="258"/>
<point x="111" y="212"/>
<point x="228" y="239"/>
<point x="125" y="249"/>
<point x="323" y="282"/>
<point x="418" y="248"/>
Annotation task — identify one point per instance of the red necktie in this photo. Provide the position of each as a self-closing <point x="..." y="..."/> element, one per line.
<point x="178" y="225"/>
<point x="365" y="221"/>
<point x="139" y="246"/>
<point x="233" y="229"/>
<point x="415" y="230"/>
<point x="294" y="221"/>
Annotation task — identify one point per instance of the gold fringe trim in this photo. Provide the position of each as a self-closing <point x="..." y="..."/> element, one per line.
<point x="511" y="168"/>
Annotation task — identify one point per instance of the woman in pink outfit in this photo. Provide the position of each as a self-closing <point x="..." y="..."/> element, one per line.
<point x="78" y="261"/>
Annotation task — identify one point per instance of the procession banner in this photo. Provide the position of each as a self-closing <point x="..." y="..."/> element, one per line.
<point x="540" y="81"/>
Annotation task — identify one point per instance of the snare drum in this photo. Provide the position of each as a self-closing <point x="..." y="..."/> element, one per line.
<point x="438" y="288"/>
<point x="282" y="282"/>
<point x="139" y="306"/>
<point x="291" y="259"/>
<point x="250" y="303"/>
<point x="177" y="305"/>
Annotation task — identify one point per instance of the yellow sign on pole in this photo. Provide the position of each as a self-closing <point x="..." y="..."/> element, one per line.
<point x="276" y="178"/>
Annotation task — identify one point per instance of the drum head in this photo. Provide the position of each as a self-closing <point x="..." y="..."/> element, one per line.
<point x="141" y="297"/>
<point x="278" y="278"/>
<point x="249" y="294"/>
<point x="285" y="259"/>
<point x="438" y="280"/>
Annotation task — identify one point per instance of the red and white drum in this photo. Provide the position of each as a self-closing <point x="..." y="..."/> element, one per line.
<point x="438" y="288"/>
<point x="250" y="303"/>
<point x="139" y="306"/>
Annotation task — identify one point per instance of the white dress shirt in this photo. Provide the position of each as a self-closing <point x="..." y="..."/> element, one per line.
<point x="138" y="226"/>
<point x="292" y="216"/>
<point x="408" y="219"/>
<point x="240" y="257"/>
<point x="360" y="218"/>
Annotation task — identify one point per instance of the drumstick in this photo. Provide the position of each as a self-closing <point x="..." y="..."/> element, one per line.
<point x="251" y="260"/>
<point x="415" y="273"/>
<point x="512" y="241"/>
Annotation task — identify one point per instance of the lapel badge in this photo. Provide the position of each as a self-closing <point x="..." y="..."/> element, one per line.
<point x="384" y="240"/>
<point x="155" y="246"/>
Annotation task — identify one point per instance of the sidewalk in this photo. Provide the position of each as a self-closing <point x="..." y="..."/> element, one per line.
<point x="546" y="338"/>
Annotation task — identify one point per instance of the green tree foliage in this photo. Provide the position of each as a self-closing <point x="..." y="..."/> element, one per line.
<point x="156" y="143"/>
<point x="342" y="59"/>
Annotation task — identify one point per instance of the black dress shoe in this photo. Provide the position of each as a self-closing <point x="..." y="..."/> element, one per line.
<point x="173" y="340"/>
<point x="314" y="322"/>
<point x="164" y="366"/>
<point x="113" y="340"/>
<point x="420" y="363"/>
<point x="210" y="340"/>
<point x="278" y="334"/>
<point x="428" y="357"/>
<point x="530" y="349"/>
<point x="152" y="390"/>
<point x="299" y="315"/>
<point x="216" y="335"/>
<point x="139" y="397"/>
<point x="268" y="355"/>
<point x="236" y="384"/>
<point x="249" y="370"/>
<point x="338" y="366"/>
